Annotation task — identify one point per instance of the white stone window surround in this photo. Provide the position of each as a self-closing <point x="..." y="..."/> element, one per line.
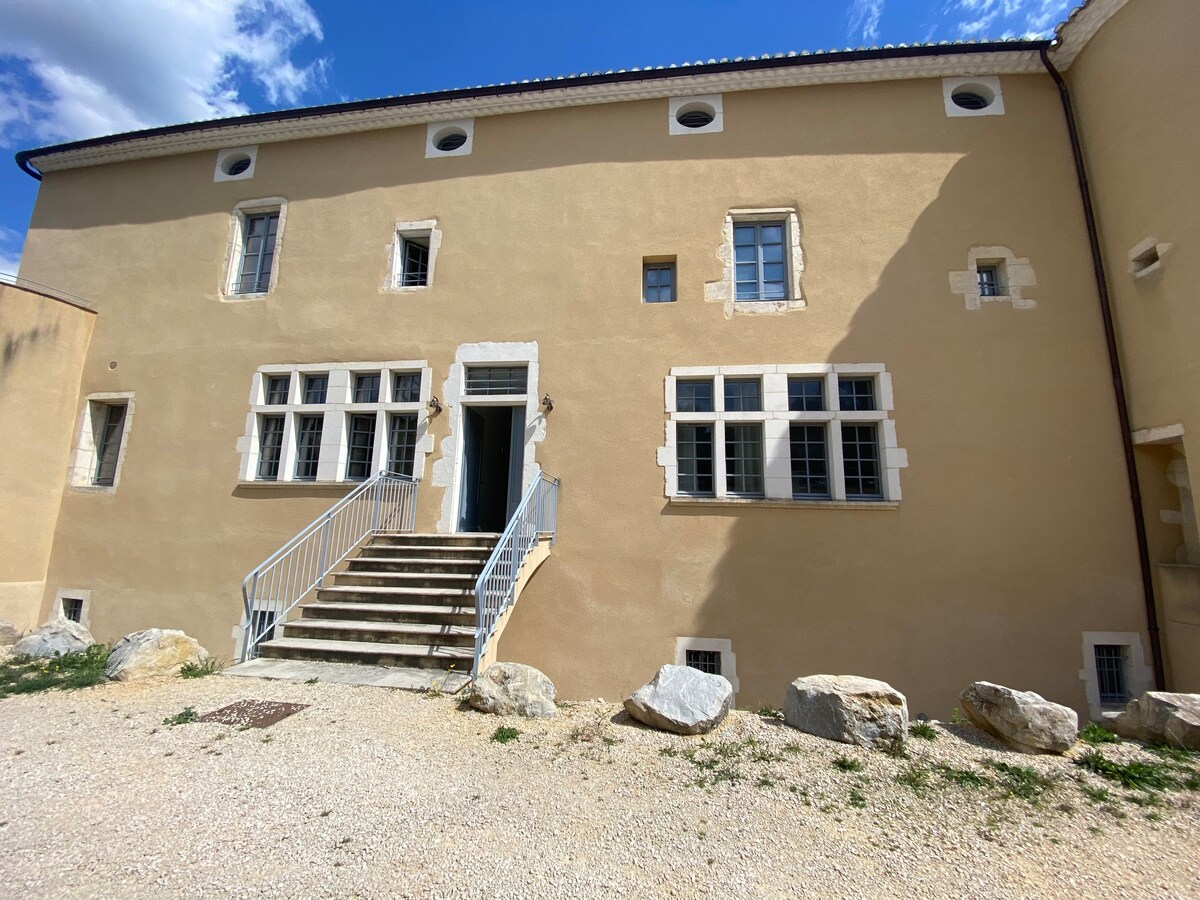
<point x="336" y="412"/>
<point x="231" y="155"/>
<point x="64" y="594"/>
<point x="710" y="103"/>
<point x="1139" y="677"/>
<point x="82" y="471"/>
<point x="447" y="470"/>
<point x="435" y="131"/>
<point x="420" y="228"/>
<point x="1138" y="267"/>
<point x="1016" y="274"/>
<point x="233" y="254"/>
<point x="720" y="645"/>
<point x="776" y="420"/>
<point x="987" y="86"/>
<point x="725" y="290"/>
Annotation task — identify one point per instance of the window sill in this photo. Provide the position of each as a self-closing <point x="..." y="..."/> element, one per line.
<point x="93" y="488"/>
<point x="238" y="298"/>
<point x="783" y="504"/>
<point x="272" y="485"/>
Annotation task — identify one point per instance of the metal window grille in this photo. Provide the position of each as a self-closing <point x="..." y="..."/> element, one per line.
<point x="308" y="446"/>
<point x="806" y="394"/>
<point x="277" y="390"/>
<point x="262" y="625"/>
<point x="402" y="444"/>
<point x="366" y="388"/>
<point x="744" y="459"/>
<point x="694" y="396"/>
<point x="315" y="388"/>
<point x="406" y="387"/>
<point x="810" y="461"/>
<point x="109" y="428"/>
<point x="658" y="283"/>
<point x="270" y="444"/>
<point x="856" y="393"/>
<point x="743" y="395"/>
<point x="72" y="608"/>
<point x="694" y="456"/>
<point x="414" y="254"/>
<point x="1110" y="674"/>
<point x="491" y="380"/>
<point x="860" y="461"/>
<point x="989" y="281"/>
<point x="362" y="447"/>
<point x="705" y="660"/>
<point x="258" y="252"/>
<point x="759" y="261"/>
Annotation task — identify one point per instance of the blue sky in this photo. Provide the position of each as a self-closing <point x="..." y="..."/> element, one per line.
<point x="72" y="69"/>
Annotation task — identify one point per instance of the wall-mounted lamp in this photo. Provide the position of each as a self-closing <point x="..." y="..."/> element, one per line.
<point x="435" y="404"/>
<point x="547" y="403"/>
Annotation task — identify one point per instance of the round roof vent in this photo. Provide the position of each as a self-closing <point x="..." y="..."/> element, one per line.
<point x="451" y="141"/>
<point x="695" y="115"/>
<point x="973" y="97"/>
<point x="236" y="164"/>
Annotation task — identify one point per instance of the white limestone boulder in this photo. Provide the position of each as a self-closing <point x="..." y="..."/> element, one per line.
<point x="1161" y="717"/>
<point x="1023" y="720"/>
<point x="56" y="637"/>
<point x="9" y="633"/>
<point x="847" y="708"/>
<point x="682" y="700"/>
<point x="511" y="689"/>
<point x="152" y="653"/>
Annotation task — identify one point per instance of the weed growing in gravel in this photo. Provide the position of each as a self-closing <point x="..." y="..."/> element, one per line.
<point x="1153" y="816"/>
<point x="1132" y="775"/>
<point x="923" y="730"/>
<point x="914" y="776"/>
<point x="895" y="748"/>
<point x="312" y="680"/>
<point x="846" y="764"/>
<point x="1094" y="734"/>
<point x="505" y="733"/>
<point x="793" y="748"/>
<point x="24" y="675"/>
<point x="1021" y="781"/>
<point x="957" y="718"/>
<point x="1096" y="794"/>
<point x="183" y="717"/>
<point x="770" y="712"/>
<point x="764" y="782"/>
<point x="210" y="666"/>
<point x="1175" y="754"/>
<point x="857" y="800"/>
<point x="1147" y="799"/>
<point x="963" y="777"/>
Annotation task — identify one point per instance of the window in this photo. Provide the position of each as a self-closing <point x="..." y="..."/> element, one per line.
<point x="705" y="660"/>
<point x="72" y="608"/>
<point x="277" y="390"/>
<point x="74" y="604"/>
<point x="110" y="426"/>
<point x="658" y="282"/>
<point x="712" y="655"/>
<point x="407" y="388"/>
<point x="100" y="442"/>
<point x="315" y="388"/>
<point x="270" y="447"/>
<point x="362" y="447"/>
<point x="414" y="254"/>
<point x="259" y="233"/>
<point x="308" y="446"/>
<point x="1110" y="674"/>
<point x="989" y="280"/>
<point x="773" y="434"/>
<point x="366" y="388"/>
<point x="492" y="380"/>
<point x="760" y="266"/>
<point x="402" y="442"/>
<point x="414" y="264"/>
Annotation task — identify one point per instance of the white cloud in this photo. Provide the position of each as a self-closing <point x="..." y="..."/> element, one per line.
<point x="865" y="15"/>
<point x="1004" y="18"/>
<point x="93" y="67"/>
<point x="10" y="251"/>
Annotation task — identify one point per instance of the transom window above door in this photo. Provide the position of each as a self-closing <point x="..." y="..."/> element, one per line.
<point x="496" y="380"/>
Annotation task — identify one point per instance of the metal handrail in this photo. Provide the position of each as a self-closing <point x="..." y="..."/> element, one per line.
<point x="384" y="502"/>
<point x="495" y="588"/>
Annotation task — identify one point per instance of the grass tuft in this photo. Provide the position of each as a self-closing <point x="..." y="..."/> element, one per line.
<point x="914" y="776"/>
<point x="895" y="748"/>
<point x="1021" y="781"/>
<point x="505" y="733"/>
<point x="210" y="666"/>
<point x="1094" y="734"/>
<point x="185" y="716"/>
<point x="847" y="764"/>
<point x="963" y="777"/>
<point x="1138" y="776"/>
<point x="770" y="712"/>
<point x="923" y="730"/>
<point x="25" y="675"/>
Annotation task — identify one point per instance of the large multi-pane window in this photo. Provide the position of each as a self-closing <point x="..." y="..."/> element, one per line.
<point x="361" y="447"/>
<point x="259" y="232"/>
<point x="270" y="447"/>
<point x="109" y="422"/>
<point x="860" y="459"/>
<point x="810" y="461"/>
<point x="308" y="446"/>
<point x="760" y="261"/>
<point x="402" y="443"/>
<point x="694" y="445"/>
<point x="744" y="459"/>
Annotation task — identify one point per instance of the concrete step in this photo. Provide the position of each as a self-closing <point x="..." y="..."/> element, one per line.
<point x="460" y="580"/>
<point x="373" y="653"/>
<point x="391" y="551"/>
<point x="384" y="539"/>
<point x="441" y="680"/>
<point x="388" y="632"/>
<point x="416" y="564"/>
<point x="423" y="596"/>
<point x="389" y="612"/>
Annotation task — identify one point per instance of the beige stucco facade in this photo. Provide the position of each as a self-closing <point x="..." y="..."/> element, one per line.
<point x="1012" y="537"/>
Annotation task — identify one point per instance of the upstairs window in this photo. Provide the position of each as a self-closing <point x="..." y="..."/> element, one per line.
<point x="270" y="437"/>
<point x="414" y="254"/>
<point x="694" y="395"/>
<point x="760" y="263"/>
<point x="406" y="388"/>
<point x="658" y="282"/>
<point x="315" y="388"/>
<point x="806" y="394"/>
<point x="414" y="261"/>
<point x="308" y="446"/>
<point x="990" y="283"/>
<point x="109" y="420"/>
<point x="259" y="233"/>
<point x="856" y="394"/>
<point x="743" y="395"/>
<point x="366" y="388"/>
<point x="361" y="447"/>
<point x="277" y="390"/>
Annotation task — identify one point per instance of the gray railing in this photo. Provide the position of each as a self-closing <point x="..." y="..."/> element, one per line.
<point x="384" y="502"/>
<point x="495" y="589"/>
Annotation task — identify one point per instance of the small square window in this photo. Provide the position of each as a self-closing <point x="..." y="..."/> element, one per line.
<point x="705" y="660"/>
<point x="1110" y="674"/>
<point x="806" y="394"/>
<point x="406" y="387"/>
<point x="694" y="396"/>
<point x="743" y="395"/>
<point x="414" y="261"/>
<point x="277" y="390"/>
<point x="72" y="608"/>
<point x="856" y="393"/>
<point x="658" y="282"/>
<point x="315" y="388"/>
<point x="366" y="388"/>
<point x="991" y="284"/>
<point x="108" y="421"/>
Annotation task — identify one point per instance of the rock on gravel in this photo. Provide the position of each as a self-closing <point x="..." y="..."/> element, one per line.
<point x="153" y="653"/>
<point x="512" y="689"/>
<point x="682" y="700"/>
<point x="9" y="633"/>
<point x="847" y="708"/>
<point x="1023" y="720"/>
<point x="56" y="637"/>
<point x="1158" y="716"/>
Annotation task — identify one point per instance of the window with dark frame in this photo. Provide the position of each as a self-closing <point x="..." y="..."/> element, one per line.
<point x="109" y="427"/>
<point x="72" y="608"/>
<point x="744" y="459"/>
<point x="860" y="461"/>
<point x="1110" y="674"/>
<point x="315" y="388"/>
<point x="258" y="251"/>
<point x="743" y="395"/>
<point x="989" y="280"/>
<point x="760" y="263"/>
<point x="806" y="394"/>
<point x="694" y="458"/>
<point x="694" y="395"/>
<point x="495" y="380"/>
<point x="810" y="462"/>
<point x="366" y="388"/>
<point x="406" y="387"/>
<point x="270" y="446"/>
<point x="658" y="282"/>
<point x="414" y="261"/>
<point x="856" y="394"/>
<point x="361" y="447"/>
<point x="705" y="660"/>
<point x="402" y="444"/>
<point x="277" y="390"/>
<point x="308" y="446"/>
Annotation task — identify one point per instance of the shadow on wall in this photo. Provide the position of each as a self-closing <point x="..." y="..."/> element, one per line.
<point x="1014" y="533"/>
<point x="16" y="343"/>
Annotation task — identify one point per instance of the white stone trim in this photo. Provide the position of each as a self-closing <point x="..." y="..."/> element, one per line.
<point x="710" y="103"/>
<point x="82" y="467"/>
<point x="336" y="410"/>
<point x="1016" y="275"/>
<point x="426" y="228"/>
<point x="724" y="291"/>
<point x="228" y="155"/>
<point x="1137" y="268"/>
<point x="1162" y="434"/>
<point x="987" y="86"/>
<point x="74" y="594"/>
<point x="1081" y="26"/>
<point x="233" y="249"/>
<point x="435" y="131"/>
<point x="447" y="470"/>
<point x="722" y="645"/>
<point x="1138" y="676"/>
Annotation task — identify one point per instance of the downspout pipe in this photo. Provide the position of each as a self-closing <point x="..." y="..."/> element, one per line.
<point x="1118" y="382"/>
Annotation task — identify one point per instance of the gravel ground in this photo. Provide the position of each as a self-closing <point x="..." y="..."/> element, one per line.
<point x="378" y="793"/>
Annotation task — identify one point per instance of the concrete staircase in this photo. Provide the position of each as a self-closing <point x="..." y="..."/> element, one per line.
<point x="406" y="600"/>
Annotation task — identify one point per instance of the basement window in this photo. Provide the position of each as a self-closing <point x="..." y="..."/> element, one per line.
<point x="991" y="282"/>
<point x="72" y="608"/>
<point x="712" y="655"/>
<point x="705" y="660"/>
<point x="1110" y="674"/>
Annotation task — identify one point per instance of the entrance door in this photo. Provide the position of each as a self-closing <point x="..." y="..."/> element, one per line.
<point x="493" y="456"/>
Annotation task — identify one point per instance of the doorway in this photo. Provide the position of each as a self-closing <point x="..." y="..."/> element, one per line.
<point x="493" y="459"/>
